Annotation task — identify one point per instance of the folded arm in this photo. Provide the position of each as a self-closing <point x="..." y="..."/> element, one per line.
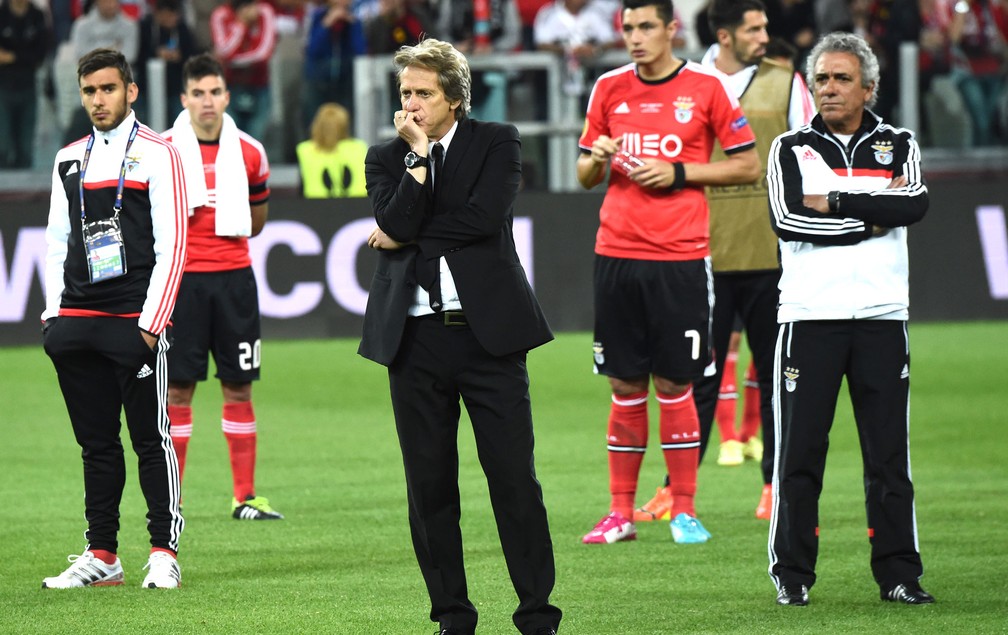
<point x="399" y="200"/>
<point x="903" y="203"/>
<point x="791" y="219"/>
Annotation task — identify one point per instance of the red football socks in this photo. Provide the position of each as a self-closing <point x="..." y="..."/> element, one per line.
<point x="626" y="441"/>
<point x="107" y="557"/>
<point x="679" y="428"/>
<point x="239" y="425"/>
<point x="181" y="430"/>
<point x="751" y="417"/>
<point x="727" y="400"/>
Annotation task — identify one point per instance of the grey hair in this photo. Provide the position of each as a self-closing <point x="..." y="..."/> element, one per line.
<point x="451" y="67"/>
<point x="838" y="42"/>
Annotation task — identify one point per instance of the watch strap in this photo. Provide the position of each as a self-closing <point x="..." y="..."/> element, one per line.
<point x="414" y="160"/>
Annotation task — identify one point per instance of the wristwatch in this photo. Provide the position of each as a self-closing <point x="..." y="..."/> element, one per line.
<point x="833" y="201"/>
<point x="414" y="160"/>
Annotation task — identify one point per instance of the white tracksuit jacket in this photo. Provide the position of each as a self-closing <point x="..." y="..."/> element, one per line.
<point x="835" y="267"/>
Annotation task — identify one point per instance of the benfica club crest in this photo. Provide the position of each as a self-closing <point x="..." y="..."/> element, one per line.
<point x="790" y="379"/>
<point x="883" y="152"/>
<point x="599" y="353"/>
<point x="684" y="109"/>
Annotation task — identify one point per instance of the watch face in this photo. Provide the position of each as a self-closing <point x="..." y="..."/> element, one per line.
<point x="412" y="159"/>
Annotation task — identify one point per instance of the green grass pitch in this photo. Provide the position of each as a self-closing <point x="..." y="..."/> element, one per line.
<point x="342" y="563"/>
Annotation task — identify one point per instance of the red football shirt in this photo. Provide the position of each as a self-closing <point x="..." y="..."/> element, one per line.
<point x="675" y="119"/>
<point x="206" y="250"/>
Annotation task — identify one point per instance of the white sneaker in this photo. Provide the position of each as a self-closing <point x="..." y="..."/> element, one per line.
<point x="164" y="572"/>
<point x="86" y="570"/>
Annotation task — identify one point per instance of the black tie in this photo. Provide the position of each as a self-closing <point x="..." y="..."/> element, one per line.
<point x="437" y="153"/>
<point x="434" y="290"/>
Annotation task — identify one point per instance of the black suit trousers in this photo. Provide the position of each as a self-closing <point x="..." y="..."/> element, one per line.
<point x="104" y="367"/>
<point x="435" y="367"/>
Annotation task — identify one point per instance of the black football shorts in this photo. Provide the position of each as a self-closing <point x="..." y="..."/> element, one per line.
<point x="217" y="313"/>
<point x="652" y="317"/>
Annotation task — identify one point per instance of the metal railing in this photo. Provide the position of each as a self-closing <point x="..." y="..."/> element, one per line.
<point x="374" y="85"/>
<point x="564" y="115"/>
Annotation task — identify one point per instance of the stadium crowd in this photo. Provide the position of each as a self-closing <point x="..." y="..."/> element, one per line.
<point x="962" y="54"/>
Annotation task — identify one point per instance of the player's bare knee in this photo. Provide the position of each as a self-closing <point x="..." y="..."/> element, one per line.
<point x="671" y="387"/>
<point x="236" y="392"/>
<point x="622" y="387"/>
<point x="181" y="393"/>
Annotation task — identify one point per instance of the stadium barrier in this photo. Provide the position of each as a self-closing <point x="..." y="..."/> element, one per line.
<point x="314" y="267"/>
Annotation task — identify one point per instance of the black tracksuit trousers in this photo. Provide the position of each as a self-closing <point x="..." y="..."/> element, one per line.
<point x="812" y="359"/>
<point x="105" y="367"/>
<point x="752" y="296"/>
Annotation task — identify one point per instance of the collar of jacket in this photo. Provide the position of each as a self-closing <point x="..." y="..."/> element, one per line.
<point x="869" y="122"/>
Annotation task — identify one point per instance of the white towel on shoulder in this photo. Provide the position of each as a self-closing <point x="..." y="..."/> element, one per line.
<point x="233" y="217"/>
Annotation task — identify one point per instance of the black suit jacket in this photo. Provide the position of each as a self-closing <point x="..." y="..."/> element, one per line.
<point x="469" y="224"/>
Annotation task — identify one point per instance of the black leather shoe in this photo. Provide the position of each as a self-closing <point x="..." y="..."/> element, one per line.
<point x="792" y="595"/>
<point x="546" y="631"/>
<point x="909" y="593"/>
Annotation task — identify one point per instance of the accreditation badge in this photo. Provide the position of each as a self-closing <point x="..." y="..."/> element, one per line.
<point x="104" y="248"/>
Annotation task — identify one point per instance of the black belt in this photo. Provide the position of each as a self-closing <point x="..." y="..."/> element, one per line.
<point x="448" y="318"/>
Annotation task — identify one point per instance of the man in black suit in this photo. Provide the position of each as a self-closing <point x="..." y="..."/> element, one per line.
<point x="452" y="315"/>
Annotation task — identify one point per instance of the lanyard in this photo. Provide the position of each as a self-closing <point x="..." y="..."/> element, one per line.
<point x="122" y="171"/>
